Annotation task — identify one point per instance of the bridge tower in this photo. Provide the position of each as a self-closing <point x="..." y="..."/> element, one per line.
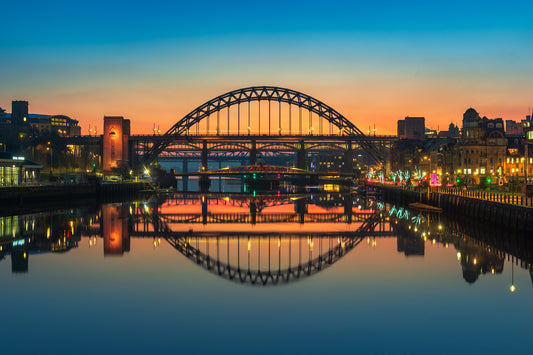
<point x="115" y="143"/>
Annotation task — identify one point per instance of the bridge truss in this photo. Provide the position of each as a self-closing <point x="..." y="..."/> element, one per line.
<point x="288" y="119"/>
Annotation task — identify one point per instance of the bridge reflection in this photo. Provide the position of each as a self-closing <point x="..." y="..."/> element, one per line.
<point x="290" y="238"/>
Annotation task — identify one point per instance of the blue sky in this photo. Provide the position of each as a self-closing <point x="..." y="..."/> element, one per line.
<point x="373" y="61"/>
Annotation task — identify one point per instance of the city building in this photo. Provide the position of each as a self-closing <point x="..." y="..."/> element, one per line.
<point x="452" y="132"/>
<point x="16" y="170"/>
<point x="431" y="156"/>
<point x="513" y="127"/>
<point x="412" y="128"/>
<point x="528" y="149"/>
<point x="329" y="161"/>
<point x="30" y="123"/>
<point x="19" y="112"/>
<point x="482" y="149"/>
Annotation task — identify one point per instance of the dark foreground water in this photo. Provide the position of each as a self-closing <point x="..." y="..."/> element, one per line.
<point x="266" y="274"/>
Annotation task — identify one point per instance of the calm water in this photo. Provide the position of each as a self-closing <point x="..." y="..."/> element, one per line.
<point x="233" y="273"/>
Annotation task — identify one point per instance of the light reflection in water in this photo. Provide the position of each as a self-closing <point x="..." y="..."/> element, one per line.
<point x="263" y="240"/>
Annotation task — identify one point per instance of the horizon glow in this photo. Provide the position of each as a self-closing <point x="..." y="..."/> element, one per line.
<point x="374" y="63"/>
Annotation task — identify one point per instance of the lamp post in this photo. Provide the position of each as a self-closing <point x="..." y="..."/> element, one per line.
<point x="50" y="148"/>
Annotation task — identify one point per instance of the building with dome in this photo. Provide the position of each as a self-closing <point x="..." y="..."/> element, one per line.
<point x="482" y="149"/>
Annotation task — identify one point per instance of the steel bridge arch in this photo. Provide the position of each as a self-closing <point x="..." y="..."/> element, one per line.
<point x="260" y="277"/>
<point x="261" y="93"/>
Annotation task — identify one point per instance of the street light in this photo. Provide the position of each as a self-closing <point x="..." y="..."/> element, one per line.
<point x="50" y="148"/>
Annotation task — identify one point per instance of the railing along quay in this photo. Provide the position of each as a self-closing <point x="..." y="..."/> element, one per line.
<point x="518" y="200"/>
<point x="512" y="211"/>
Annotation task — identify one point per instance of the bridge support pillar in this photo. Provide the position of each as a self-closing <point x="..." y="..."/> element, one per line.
<point x="253" y="213"/>
<point x="204" y="209"/>
<point x="301" y="209"/>
<point x="300" y="161"/>
<point x="185" y="179"/>
<point x="347" y="166"/>
<point x="220" y="177"/>
<point x="253" y="153"/>
<point x="204" y="155"/>
<point x="348" y="207"/>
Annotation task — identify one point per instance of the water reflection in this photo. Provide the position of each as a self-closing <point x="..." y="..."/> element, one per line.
<point x="115" y="229"/>
<point x="22" y="236"/>
<point x="264" y="239"/>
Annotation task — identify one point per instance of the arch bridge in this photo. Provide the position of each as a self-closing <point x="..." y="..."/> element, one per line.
<point x="259" y="120"/>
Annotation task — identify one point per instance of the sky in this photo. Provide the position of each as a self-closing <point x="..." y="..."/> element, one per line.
<point x="374" y="61"/>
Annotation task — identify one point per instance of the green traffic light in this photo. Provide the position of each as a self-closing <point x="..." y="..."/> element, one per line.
<point x="489" y="180"/>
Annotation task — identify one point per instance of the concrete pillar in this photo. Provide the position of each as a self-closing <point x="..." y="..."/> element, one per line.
<point x="185" y="179"/>
<point x="204" y="155"/>
<point x="348" y="207"/>
<point x="220" y="177"/>
<point x="253" y="153"/>
<point x="301" y="209"/>
<point x="253" y="212"/>
<point x="204" y="209"/>
<point x="347" y="166"/>
<point x="301" y="156"/>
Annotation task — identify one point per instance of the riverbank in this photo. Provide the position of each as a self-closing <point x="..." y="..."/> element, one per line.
<point x="511" y="213"/>
<point x="30" y="197"/>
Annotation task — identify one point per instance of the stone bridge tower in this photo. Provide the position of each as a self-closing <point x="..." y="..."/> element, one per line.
<point x="115" y="143"/>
